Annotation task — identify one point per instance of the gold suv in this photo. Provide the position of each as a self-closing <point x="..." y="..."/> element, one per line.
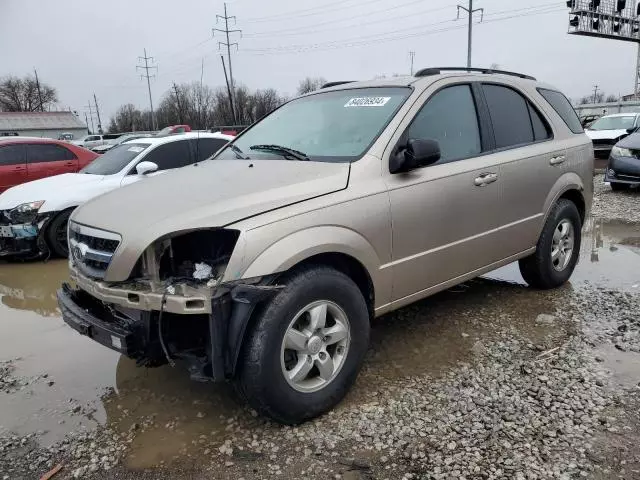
<point x="265" y="264"/>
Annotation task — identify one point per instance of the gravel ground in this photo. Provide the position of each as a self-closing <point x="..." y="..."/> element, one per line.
<point x="516" y="407"/>
<point x="609" y="205"/>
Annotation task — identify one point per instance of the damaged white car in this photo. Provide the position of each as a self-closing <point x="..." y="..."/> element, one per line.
<point x="34" y="215"/>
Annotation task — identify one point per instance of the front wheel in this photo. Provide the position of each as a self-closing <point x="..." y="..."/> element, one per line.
<point x="57" y="234"/>
<point x="557" y="250"/>
<point x="307" y="346"/>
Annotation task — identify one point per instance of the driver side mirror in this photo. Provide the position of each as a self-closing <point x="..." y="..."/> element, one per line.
<point x="632" y="130"/>
<point x="417" y="153"/>
<point x="144" y="168"/>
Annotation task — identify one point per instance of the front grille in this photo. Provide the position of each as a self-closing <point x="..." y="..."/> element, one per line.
<point x="92" y="249"/>
<point x="5" y="219"/>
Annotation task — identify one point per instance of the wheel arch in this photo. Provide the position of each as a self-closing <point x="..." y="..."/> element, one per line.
<point x="571" y="187"/>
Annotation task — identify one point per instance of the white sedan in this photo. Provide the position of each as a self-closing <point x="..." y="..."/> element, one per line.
<point x="609" y="130"/>
<point x="34" y="215"/>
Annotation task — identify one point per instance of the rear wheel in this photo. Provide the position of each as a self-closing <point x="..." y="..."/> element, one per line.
<point x="619" y="187"/>
<point x="57" y="234"/>
<point x="306" y="348"/>
<point x="557" y="250"/>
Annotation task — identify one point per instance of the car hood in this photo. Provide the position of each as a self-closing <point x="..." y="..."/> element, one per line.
<point x="605" y="134"/>
<point x="214" y="193"/>
<point x="48" y="189"/>
<point x="632" y="142"/>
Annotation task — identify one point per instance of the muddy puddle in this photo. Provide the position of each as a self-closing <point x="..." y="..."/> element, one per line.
<point x="87" y="384"/>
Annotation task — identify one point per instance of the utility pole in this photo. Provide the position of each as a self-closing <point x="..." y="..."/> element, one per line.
<point x="470" y="11"/>
<point x="412" y="55"/>
<point x="146" y="75"/>
<point x="39" y="92"/>
<point x="175" y="89"/>
<point x="86" y="120"/>
<point x="88" y="106"/>
<point x="226" y="79"/>
<point x="595" y="93"/>
<point x="228" y="44"/>
<point x="97" y="113"/>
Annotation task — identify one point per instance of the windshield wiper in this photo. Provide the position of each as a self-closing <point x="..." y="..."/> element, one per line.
<point x="284" y="151"/>
<point x="239" y="153"/>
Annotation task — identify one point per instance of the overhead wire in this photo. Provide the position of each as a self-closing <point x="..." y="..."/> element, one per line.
<point x="376" y="38"/>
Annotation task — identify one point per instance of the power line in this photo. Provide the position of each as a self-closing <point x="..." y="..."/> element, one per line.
<point x="295" y="49"/>
<point x="302" y="13"/>
<point x="228" y="44"/>
<point x="146" y="75"/>
<point x="359" y="23"/>
<point x="470" y="11"/>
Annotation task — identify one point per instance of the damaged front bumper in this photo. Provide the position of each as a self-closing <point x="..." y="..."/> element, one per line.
<point x="22" y="239"/>
<point x="208" y="338"/>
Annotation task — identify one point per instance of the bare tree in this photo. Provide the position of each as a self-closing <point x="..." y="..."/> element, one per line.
<point x="21" y="95"/>
<point x="265" y="102"/>
<point x="611" y="98"/>
<point x="310" y="84"/>
<point x="586" y="100"/>
<point x="128" y="118"/>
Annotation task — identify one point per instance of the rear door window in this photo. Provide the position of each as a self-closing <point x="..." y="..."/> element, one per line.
<point x="563" y="107"/>
<point x="204" y="148"/>
<point x="42" y="153"/>
<point x="12" y="155"/>
<point x="450" y="118"/>
<point x="171" y="155"/>
<point x="509" y="112"/>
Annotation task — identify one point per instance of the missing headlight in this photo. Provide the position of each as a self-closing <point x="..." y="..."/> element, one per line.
<point x="200" y="255"/>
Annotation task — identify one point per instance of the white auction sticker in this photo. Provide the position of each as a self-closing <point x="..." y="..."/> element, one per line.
<point x="368" y="102"/>
<point x="135" y="149"/>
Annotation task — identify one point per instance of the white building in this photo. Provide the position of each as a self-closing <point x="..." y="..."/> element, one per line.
<point x="41" y="124"/>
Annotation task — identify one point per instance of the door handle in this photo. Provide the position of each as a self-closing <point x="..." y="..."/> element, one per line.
<point x="560" y="159"/>
<point x="485" y="179"/>
<point x="19" y="168"/>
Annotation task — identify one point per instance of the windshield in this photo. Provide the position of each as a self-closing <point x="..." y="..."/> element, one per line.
<point x="115" y="159"/>
<point x="337" y="126"/>
<point x="614" y="123"/>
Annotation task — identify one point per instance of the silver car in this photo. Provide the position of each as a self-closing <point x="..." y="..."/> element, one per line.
<point x="265" y="264"/>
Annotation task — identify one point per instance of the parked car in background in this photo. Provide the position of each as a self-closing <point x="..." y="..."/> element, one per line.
<point x="609" y="130"/>
<point x="23" y="159"/>
<point x="66" y="137"/>
<point x="342" y="205"/>
<point x="623" y="170"/>
<point x="33" y="216"/>
<point x="117" y="141"/>
<point x="173" y="129"/>
<point x="91" y="141"/>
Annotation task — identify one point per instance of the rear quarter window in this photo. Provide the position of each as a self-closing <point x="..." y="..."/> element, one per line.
<point x="563" y="107"/>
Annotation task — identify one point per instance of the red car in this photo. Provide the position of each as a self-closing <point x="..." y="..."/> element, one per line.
<point x="23" y="159"/>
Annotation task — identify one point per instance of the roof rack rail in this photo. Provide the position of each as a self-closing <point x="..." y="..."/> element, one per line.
<point x="335" y="84"/>
<point x="426" y="72"/>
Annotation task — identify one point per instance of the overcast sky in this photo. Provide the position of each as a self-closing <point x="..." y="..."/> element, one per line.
<point x="85" y="46"/>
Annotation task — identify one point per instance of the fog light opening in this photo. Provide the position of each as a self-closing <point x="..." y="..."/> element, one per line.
<point x="612" y="172"/>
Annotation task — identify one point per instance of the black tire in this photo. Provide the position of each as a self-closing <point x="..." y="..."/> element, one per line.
<point x="261" y="380"/>
<point x="56" y="234"/>
<point x="537" y="269"/>
<point x="619" y="187"/>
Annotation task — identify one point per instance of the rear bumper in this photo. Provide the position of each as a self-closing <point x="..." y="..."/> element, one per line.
<point x="623" y="170"/>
